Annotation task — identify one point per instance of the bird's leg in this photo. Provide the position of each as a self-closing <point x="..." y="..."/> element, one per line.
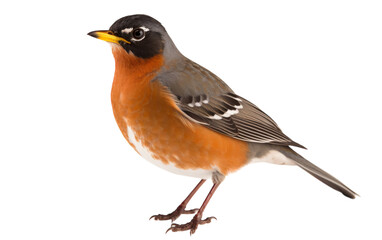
<point x="197" y="219"/>
<point x="181" y="209"/>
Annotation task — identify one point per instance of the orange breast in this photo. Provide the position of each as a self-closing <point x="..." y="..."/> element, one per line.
<point x="146" y="107"/>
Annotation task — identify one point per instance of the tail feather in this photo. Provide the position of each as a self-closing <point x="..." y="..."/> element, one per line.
<point x="319" y="173"/>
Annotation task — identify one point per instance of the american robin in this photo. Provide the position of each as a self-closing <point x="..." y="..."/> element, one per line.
<point x="185" y="119"/>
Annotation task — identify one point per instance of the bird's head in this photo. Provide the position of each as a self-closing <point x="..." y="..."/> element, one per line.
<point x="139" y="35"/>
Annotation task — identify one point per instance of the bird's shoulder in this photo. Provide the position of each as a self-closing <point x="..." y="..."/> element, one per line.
<point x="187" y="78"/>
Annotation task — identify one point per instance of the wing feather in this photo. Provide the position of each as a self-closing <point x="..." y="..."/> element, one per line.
<point x="205" y="99"/>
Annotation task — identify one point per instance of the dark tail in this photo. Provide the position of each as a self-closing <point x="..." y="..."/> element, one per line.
<point x="319" y="173"/>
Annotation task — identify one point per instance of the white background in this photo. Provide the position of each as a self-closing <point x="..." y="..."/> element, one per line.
<point x="67" y="173"/>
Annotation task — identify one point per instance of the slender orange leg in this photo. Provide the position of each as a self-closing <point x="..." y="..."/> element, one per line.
<point x="182" y="207"/>
<point x="197" y="219"/>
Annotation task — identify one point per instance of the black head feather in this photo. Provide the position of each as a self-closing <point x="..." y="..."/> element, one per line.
<point x="152" y="42"/>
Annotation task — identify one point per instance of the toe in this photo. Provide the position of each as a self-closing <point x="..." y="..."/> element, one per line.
<point x="207" y="220"/>
<point x="191" y="211"/>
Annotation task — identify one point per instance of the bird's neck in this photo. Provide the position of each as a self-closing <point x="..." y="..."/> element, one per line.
<point x="132" y="83"/>
<point x="133" y="70"/>
<point x="133" y="73"/>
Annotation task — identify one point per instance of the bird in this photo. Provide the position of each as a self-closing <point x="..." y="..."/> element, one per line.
<point x="183" y="118"/>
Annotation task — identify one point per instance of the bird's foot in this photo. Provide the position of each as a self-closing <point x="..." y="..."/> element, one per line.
<point x="192" y="225"/>
<point x="175" y="214"/>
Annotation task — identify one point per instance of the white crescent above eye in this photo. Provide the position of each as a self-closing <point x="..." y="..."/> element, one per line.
<point x="144" y="28"/>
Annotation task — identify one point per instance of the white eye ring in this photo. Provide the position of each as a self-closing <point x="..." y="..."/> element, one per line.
<point x="142" y="30"/>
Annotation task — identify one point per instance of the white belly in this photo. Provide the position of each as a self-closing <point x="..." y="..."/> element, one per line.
<point x="146" y="154"/>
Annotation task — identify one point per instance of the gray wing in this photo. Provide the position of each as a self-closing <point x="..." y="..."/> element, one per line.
<point x="206" y="99"/>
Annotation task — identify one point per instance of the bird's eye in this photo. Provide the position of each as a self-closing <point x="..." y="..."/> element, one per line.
<point x="138" y="33"/>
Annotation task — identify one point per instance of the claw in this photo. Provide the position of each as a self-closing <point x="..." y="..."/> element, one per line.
<point x="192" y="225"/>
<point x="170" y="228"/>
<point x="207" y="220"/>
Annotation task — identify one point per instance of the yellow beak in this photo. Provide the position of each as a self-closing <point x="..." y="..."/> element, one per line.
<point x="108" y="36"/>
